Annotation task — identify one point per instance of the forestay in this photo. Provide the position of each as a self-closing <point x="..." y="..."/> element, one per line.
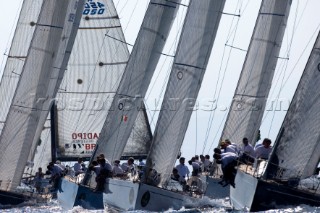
<point x="249" y="101"/>
<point x="193" y="52"/>
<point x="139" y="70"/>
<point x="18" y="52"/>
<point x="95" y="68"/>
<point x="42" y="59"/>
<point x="296" y="151"/>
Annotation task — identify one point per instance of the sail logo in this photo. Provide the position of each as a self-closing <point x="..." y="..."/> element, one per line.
<point x="91" y="135"/>
<point x="93" y="8"/>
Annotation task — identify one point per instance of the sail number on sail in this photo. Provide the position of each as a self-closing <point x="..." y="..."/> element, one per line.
<point x="93" y="8"/>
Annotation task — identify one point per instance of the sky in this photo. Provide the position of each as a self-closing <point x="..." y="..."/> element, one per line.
<point x="224" y="66"/>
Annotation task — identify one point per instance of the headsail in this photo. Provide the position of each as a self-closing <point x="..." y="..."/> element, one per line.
<point x="296" y="151"/>
<point x="249" y="101"/>
<point x="139" y="70"/>
<point x="42" y="59"/>
<point x="95" y="68"/>
<point x="18" y="52"/>
<point x="193" y="52"/>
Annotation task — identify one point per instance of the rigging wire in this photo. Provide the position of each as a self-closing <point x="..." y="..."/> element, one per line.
<point x="284" y="82"/>
<point x="173" y="47"/>
<point x="230" y="33"/>
<point x="196" y="113"/>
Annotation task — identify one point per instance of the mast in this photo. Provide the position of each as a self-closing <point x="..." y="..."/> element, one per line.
<point x="128" y="99"/>
<point x="53" y="132"/>
<point x="297" y="152"/>
<point x="55" y="26"/>
<point x="193" y="52"/>
<point x="249" y="101"/>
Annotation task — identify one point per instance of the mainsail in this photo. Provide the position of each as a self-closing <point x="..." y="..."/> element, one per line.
<point x="95" y="68"/>
<point x="68" y="37"/>
<point x="18" y="52"/>
<point x="296" y="152"/>
<point x="42" y="59"/>
<point x="193" y="52"/>
<point x="143" y="59"/>
<point x="253" y="87"/>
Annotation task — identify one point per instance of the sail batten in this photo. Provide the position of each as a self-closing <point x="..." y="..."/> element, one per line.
<point x="249" y="101"/>
<point x="193" y="52"/>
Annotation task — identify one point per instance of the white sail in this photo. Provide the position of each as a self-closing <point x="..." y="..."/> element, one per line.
<point x="249" y="101"/>
<point x="144" y="57"/>
<point x="18" y="52"/>
<point x="95" y="68"/>
<point x="42" y="60"/>
<point x="42" y="156"/>
<point x="63" y="55"/>
<point x="296" y="152"/>
<point x="193" y="52"/>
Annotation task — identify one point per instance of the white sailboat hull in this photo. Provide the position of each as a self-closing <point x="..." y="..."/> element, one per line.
<point x="215" y="190"/>
<point x="156" y="199"/>
<point x="253" y="194"/>
<point x="122" y="195"/>
<point x="242" y="196"/>
<point x="71" y="194"/>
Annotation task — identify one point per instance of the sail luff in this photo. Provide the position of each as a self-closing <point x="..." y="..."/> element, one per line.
<point x="20" y="126"/>
<point x="297" y="151"/>
<point x="193" y="52"/>
<point x="18" y="51"/>
<point x="249" y="101"/>
<point x="137" y="76"/>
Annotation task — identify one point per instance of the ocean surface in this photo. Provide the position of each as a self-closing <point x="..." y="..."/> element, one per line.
<point x="218" y="205"/>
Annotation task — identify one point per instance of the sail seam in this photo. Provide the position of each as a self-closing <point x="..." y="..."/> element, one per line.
<point x="89" y="92"/>
<point x="10" y="56"/>
<point x="97" y="18"/>
<point x="188" y="65"/>
<point x="264" y="40"/>
<point x="251" y="96"/>
<point x="98" y="28"/>
<point x="51" y="26"/>
<point x="272" y="14"/>
<point x="164" y="5"/>
<point x="115" y="63"/>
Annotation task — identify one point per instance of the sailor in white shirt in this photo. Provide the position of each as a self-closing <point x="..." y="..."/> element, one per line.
<point x="129" y="166"/>
<point x="183" y="170"/>
<point x="77" y="167"/>
<point x="117" y="170"/>
<point x="264" y="151"/>
<point x="248" y="153"/>
<point x="228" y="162"/>
<point x="195" y="166"/>
<point x="228" y="148"/>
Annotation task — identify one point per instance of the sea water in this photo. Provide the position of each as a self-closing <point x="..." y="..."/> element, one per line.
<point x="216" y="205"/>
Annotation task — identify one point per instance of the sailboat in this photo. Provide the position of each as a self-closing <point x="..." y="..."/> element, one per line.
<point x="158" y="21"/>
<point x="250" y="97"/>
<point x="53" y="37"/>
<point x="125" y="194"/>
<point x="187" y="71"/>
<point x="295" y="155"/>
